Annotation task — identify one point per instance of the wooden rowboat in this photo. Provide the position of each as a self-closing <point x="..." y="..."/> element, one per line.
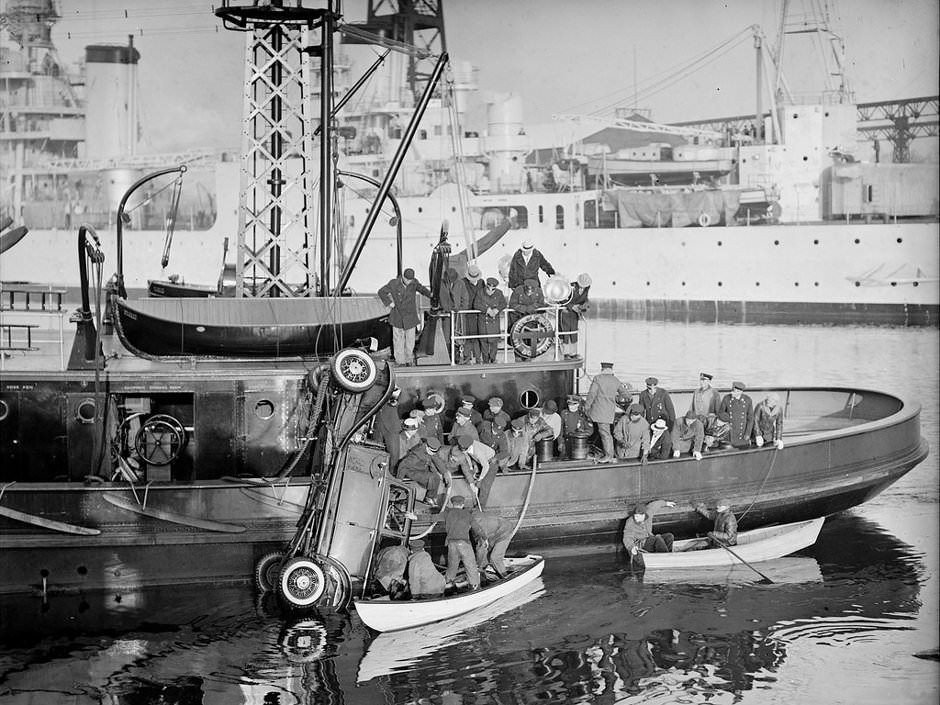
<point x="762" y="544"/>
<point x="385" y="615"/>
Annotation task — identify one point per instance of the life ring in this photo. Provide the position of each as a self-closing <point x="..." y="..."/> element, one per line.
<point x="353" y="370"/>
<point x="704" y="220"/>
<point x="532" y="325"/>
<point x="160" y="440"/>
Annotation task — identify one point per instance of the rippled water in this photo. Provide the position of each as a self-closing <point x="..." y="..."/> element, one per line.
<point x="840" y="623"/>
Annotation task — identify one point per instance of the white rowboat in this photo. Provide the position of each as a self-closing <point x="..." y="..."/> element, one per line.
<point x="762" y="544"/>
<point x="385" y="615"/>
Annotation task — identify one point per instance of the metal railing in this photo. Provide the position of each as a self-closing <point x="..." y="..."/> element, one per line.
<point x="503" y="337"/>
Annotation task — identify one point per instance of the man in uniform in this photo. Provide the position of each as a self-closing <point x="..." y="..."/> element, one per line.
<point x="657" y="403"/>
<point x="737" y="410"/>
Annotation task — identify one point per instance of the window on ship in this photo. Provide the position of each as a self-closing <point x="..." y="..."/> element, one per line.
<point x="595" y="217"/>
<point x="559" y="217"/>
<point x="492" y="216"/>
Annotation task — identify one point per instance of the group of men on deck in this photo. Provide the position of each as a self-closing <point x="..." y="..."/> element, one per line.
<point x="648" y="428"/>
<point x="478" y="305"/>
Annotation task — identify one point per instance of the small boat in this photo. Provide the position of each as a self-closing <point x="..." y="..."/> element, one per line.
<point x="762" y="544"/>
<point x="385" y="615"/>
<point x="392" y="652"/>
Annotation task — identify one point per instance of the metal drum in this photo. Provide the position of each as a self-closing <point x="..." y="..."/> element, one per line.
<point x="578" y="444"/>
<point x="545" y="449"/>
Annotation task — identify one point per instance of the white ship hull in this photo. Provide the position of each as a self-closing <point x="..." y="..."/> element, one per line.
<point x="856" y="270"/>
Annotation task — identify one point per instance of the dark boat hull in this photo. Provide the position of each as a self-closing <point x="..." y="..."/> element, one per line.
<point x="191" y="522"/>
<point x="225" y="327"/>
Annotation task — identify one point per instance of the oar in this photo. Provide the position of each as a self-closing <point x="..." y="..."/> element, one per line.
<point x="765" y="581"/>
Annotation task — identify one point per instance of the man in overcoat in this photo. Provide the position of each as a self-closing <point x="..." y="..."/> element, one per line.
<point x="737" y="410"/>
<point x="657" y="403"/>
<point x="600" y="405"/>
<point x="399" y="296"/>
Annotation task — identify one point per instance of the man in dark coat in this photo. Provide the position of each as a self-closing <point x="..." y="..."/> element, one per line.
<point x="526" y="263"/>
<point x="388" y="427"/>
<point x="465" y="293"/>
<point x="573" y="420"/>
<point x="737" y="410"/>
<point x="448" y="302"/>
<point x="657" y="403"/>
<point x="424" y="466"/>
<point x="660" y="441"/>
<point x="399" y="295"/>
<point x="570" y="315"/>
<point x="638" y="529"/>
<point x="490" y="303"/>
<point x="525" y="299"/>
<point x="726" y="525"/>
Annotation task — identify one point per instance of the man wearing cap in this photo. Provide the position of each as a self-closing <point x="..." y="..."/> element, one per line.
<point x="493" y="534"/>
<point x="601" y="404"/>
<point x="657" y="404"/>
<point x="689" y="436"/>
<point x="660" y="441"/>
<point x="737" y="410"/>
<point x="570" y="316"/>
<point x="424" y="466"/>
<point x="494" y="412"/>
<point x="526" y="263"/>
<point x="638" y="530"/>
<point x="705" y="399"/>
<point x="726" y="525"/>
<point x="467" y="402"/>
<point x="399" y="296"/>
<point x="431" y="426"/>
<point x="493" y="434"/>
<point x="465" y="294"/>
<point x="490" y="302"/>
<point x="518" y="444"/>
<point x="534" y="428"/>
<point x="408" y="438"/>
<point x="573" y="420"/>
<point x="768" y="421"/>
<point x="463" y="427"/>
<point x="424" y="578"/>
<point x="388" y="427"/>
<point x="632" y="433"/>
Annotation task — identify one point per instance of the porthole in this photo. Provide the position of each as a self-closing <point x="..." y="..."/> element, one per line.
<point x="756" y="283"/>
<point x="894" y="283"/>
<point x="85" y="411"/>
<point x="858" y="283"/>
<point x="857" y="241"/>
<point x="719" y="243"/>
<point x="719" y="283"/>
<point x="796" y="283"/>
<point x="647" y="283"/>
<point x="815" y="242"/>
<point x="776" y="242"/>
<point x="900" y="240"/>
<point x="264" y="409"/>
<point x="815" y="283"/>
<point x="4" y="410"/>
<point x="530" y="399"/>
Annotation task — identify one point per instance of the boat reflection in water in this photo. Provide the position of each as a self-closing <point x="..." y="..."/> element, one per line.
<point x="597" y="631"/>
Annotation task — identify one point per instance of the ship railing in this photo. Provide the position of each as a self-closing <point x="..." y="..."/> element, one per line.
<point x="31" y="326"/>
<point x="550" y="315"/>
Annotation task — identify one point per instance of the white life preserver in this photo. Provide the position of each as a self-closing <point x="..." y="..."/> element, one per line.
<point x="704" y="220"/>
